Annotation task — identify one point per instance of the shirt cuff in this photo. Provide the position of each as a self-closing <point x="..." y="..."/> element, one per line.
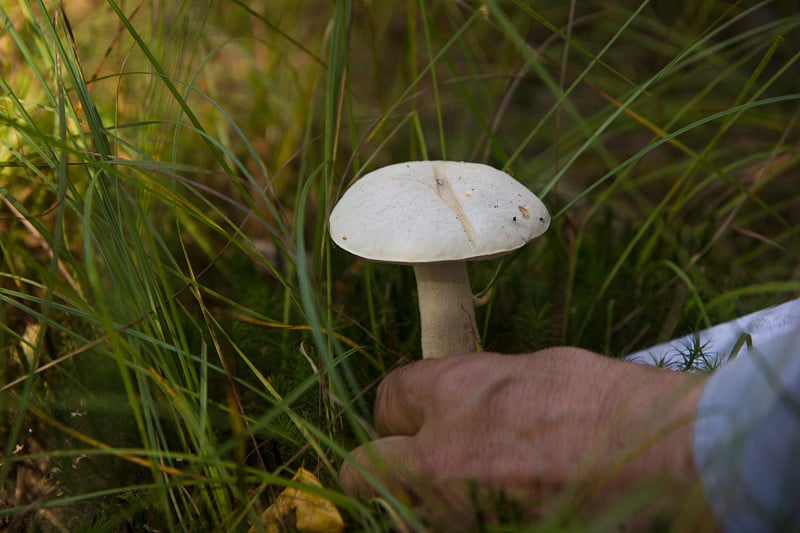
<point x="747" y="437"/>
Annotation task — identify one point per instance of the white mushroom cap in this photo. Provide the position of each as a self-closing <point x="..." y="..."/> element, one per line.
<point x="436" y="211"/>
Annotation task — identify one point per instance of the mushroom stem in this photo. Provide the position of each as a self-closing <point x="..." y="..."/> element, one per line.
<point x="446" y="309"/>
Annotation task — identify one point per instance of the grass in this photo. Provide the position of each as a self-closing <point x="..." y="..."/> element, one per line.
<point x="178" y="334"/>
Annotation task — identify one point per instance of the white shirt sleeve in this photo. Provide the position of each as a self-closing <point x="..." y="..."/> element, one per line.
<point x="747" y="437"/>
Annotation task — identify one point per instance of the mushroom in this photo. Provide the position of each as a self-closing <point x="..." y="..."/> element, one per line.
<point x="436" y="215"/>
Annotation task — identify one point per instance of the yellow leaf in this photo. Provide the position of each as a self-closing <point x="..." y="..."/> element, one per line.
<point x="312" y="513"/>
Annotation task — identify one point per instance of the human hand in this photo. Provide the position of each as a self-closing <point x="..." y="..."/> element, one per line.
<point x="541" y="427"/>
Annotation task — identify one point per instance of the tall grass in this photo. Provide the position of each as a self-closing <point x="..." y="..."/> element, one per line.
<point x="178" y="334"/>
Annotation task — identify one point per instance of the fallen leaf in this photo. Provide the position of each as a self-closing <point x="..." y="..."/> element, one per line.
<point x="312" y="513"/>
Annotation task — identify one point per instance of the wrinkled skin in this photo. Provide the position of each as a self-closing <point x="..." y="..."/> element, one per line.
<point x="558" y="429"/>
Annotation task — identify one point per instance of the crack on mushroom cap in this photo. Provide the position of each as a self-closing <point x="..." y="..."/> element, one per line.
<point x="444" y="189"/>
<point x="433" y="211"/>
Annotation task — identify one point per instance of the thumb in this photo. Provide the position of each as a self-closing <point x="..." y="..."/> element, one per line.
<point x="388" y="464"/>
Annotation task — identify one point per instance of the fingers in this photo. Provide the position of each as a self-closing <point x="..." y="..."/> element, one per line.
<point x="400" y="406"/>
<point x="395" y="465"/>
<point x="389" y="463"/>
<point x="408" y="393"/>
<point x="454" y="503"/>
<point x="402" y="397"/>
